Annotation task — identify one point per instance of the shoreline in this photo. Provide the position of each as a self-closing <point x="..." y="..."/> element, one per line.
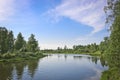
<point x="22" y="56"/>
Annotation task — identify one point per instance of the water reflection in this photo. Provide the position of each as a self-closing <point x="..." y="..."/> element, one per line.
<point x="6" y="71"/>
<point x="15" y="71"/>
<point x="113" y="73"/>
<point x="32" y="67"/>
<point x="55" y="67"/>
<point x="93" y="59"/>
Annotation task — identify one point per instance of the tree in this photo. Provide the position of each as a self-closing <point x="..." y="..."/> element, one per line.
<point x="20" y="43"/>
<point x="115" y="37"/>
<point x="103" y="47"/>
<point x="32" y="44"/>
<point x="113" y="18"/>
<point x="10" y="41"/>
<point x="6" y="40"/>
<point x="65" y="47"/>
<point x="3" y="40"/>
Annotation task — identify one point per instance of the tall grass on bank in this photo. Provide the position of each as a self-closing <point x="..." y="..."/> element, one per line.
<point x="17" y="56"/>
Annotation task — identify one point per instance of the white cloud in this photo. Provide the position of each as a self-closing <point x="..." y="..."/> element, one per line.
<point x="6" y="9"/>
<point x="9" y="8"/>
<point x="88" y="12"/>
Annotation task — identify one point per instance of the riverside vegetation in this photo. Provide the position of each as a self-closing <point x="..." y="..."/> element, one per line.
<point x="18" y="49"/>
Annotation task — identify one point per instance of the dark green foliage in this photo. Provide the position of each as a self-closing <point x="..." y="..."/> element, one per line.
<point x="103" y="47"/>
<point x="19" y="56"/>
<point x="113" y="73"/>
<point x="20" y="43"/>
<point x="6" y="40"/>
<point x="32" y="45"/>
<point x="10" y="41"/>
<point x="11" y="49"/>
<point x="113" y="52"/>
<point x="91" y="48"/>
<point x="115" y="36"/>
<point x="113" y="20"/>
<point x="3" y="39"/>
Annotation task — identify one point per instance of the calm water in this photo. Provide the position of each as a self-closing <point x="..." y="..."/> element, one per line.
<point x="55" y="67"/>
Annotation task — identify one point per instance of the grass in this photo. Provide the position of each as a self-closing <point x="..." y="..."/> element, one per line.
<point x="20" y="56"/>
<point x="97" y="53"/>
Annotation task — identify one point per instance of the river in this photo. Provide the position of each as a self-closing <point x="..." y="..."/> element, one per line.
<point x="55" y="67"/>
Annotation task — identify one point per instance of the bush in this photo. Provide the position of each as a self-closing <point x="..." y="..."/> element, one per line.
<point x="7" y="56"/>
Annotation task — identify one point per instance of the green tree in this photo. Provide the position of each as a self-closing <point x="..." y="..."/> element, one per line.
<point x="20" y="43"/>
<point x="115" y="36"/>
<point x="103" y="47"/>
<point x="10" y="41"/>
<point x="113" y="58"/>
<point x="3" y="40"/>
<point x="32" y="44"/>
<point x="113" y="20"/>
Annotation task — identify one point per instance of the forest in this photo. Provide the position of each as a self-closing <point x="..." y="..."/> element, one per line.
<point x="11" y="47"/>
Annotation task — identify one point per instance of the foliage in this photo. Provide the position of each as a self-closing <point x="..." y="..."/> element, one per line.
<point x="113" y="20"/>
<point x="32" y="44"/>
<point x="17" y="49"/>
<point x="20" y="42"/>
<point x="6" y="40"/>
<point x="19" y="56"/>
<point x="113" y="52"/>
<point x="103" y="47"/>
<point x="10" y="41"/>
<point x="113" y="73"/>
<point x="9" y="44"/>
<point x="91" y="48"/>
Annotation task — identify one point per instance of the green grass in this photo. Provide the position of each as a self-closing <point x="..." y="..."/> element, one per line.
<point x="111" y="74"/>
<point x="97" y="53"/>
<point x="20" y="56"/>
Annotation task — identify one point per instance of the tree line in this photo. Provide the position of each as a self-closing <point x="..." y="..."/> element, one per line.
<point x="10" y="44"/>
<point x="82" y="49"/>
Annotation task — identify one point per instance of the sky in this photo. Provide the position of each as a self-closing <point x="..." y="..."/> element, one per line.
<point x="56" y="23"/>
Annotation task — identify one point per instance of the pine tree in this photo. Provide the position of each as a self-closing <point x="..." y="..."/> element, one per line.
<point x="3" y="40"/>
<point x="20" y="43"/>
<point x="32" y="45"/>
<point x="10" y="41"/>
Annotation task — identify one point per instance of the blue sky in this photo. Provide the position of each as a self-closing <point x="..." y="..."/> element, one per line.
<point x="56" y="22"/>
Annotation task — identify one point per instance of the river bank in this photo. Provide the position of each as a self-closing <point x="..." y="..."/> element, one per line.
<point x="20" y="56"/>
<point x="97" y="53"/>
